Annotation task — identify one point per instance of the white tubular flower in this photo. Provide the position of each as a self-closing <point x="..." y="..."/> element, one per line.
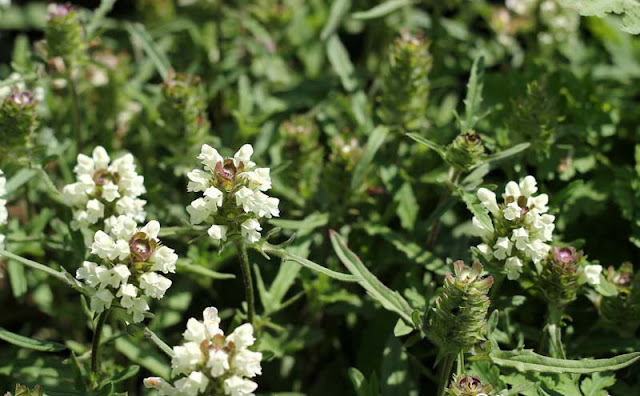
<point x="210" y="363"/>
<point x="4" y="215"/>
<point x="130" y="257"/>
<point x="233" y="194"/>
<point x="104" y="188"/>
<point x="591" y="274"/>
<point x="521" y="227"/>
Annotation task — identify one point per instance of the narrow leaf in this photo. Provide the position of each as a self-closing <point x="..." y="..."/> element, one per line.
<point x="196" y="269"/>
<point x="305" y="263"/>
<point x="510" y="152"/>
<point x="382" y="10"/>
<point x="389" y="299"/>
<point x="527" y="360"/>
<point x="339" y="9"/>
<point x="376" y="139"/>
<point x="479" y="211"/>
<point x="426" y="142"/>
<point x="473" y="99"/>
<point x="339" y="59"/>
<point x="98" y="16"/>
<point x="30" y="343"/>
<point x="142" y="38"/>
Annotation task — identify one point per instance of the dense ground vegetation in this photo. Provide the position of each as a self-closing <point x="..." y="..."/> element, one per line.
<point x="312" y="197"/>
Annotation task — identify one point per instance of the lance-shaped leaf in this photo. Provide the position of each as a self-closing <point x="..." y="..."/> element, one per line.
<point x="527" y="360"/>
<point x="376" y="139"/>
<point x="389" y="299"/>
<point x="30" y="343"/>
<point x="382" y="10"/>
<point x="426" y="142"/>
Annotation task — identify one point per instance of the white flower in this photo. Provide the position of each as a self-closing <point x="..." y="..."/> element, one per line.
<point x="88" y="273"/>
<point x="198" y="211"/>
<point x="105" y="247"/>
<point x="163" y="388"/>
<point x="513" y="265"/>
<point x="502" y="248"/>
<point x="479" y="229"/>
<point x="154" y="285"/>
<point x="488" y="200"/>
<point x="164" y="259"/>
<point x="103" y="189"/>
<point x="537" y="250"/>
<point x="528" y="186"/>
<point x="238" y="386"/>
<point x="209" y="157"/>
<point x="247" y="363"/>
<point x="512" y="211"/>
<point x="511" y="190"/>
<point x="186" y="357"/>
<point x="250" y="230"/>
<point x="192" y="385"/>
<point x="242" y="336"/>
<point x="199" y="180"/>
<point x="591" y="274"/>
<point x="101" y="300"/>
<point x="520" y="238"/>
<point x="244" y="155"/>
<point x="217" y="232"/>
<point x="484" y="249"/>
<point x="218" y="363"/>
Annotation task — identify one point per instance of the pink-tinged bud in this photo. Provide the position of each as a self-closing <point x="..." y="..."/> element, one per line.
<point x="58" y="10"/>
<point x="23" y="98"/>
<point x="566" y="255"/>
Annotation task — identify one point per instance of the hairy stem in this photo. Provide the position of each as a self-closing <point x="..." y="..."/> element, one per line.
<point x="95" y="344"/>
<point x="34" y="265"/>
<point x="445" y="373"/>
<point x="247" y="279"/>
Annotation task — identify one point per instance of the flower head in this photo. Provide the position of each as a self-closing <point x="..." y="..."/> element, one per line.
<point x="521" y="227"/>
<point x="105" y="188"/>
<point x="209" y="361"/>
<point x="233" y="197"/>
<point x="131" y="258"/>
<point x="467" y="385"/>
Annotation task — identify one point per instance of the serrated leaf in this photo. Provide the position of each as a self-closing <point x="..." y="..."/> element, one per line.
<point x="376" y="138"/>
<point x="479" y="211"/>
<point x="30" y="343"/>
<point x="596" y="385"/>
<point x="389" y="299"/>
<point x="527" y="360"/>
<point x="382" y="10"/>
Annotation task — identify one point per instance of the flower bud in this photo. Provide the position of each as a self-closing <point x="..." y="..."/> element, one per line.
<point x="622" y="311"/>
<point x="406" y="82"/>
<point x="558" y="281"/>
<point x="64" y="34"/>
<point x="17" y="121"/>
<point x="22" y="390"/>
<point x="466" y="385"/>
<point x="465" y="151"/>
<point x="458" y="320"/>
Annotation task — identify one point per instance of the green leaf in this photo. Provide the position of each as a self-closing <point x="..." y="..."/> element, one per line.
<point x="267" y="248"/>
<point x="99" y="15"/>
<point x="339" y="59"/>
<point x="20" y="178"/>
<point x="395" y="377"/>
<point x="527" y="360"/>
<point x="144" y="355"/>
<point x="473" y="99"/>
<point x="314" y="220"/>
<point x="339" y="9"/>
<point x="628" y="10"/>
<point x="407" y="206"/>
<point x="125" y="374"/>
<point x="142" y="38"/>
<point x="597" y="384"/>
<point x="17" y="278"/>
<point x="510" y="152"/>
<point x="426" y="142"/>
<point x="376" y="139"/>
<point x="382" y="10"/>
<point x="479" y="211"/>
<point x="389" y="299"/>
<point x="30" y="343"/>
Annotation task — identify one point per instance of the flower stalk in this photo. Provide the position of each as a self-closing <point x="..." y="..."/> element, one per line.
<point x="95" y="344"/>
<point x="247" y="279"/>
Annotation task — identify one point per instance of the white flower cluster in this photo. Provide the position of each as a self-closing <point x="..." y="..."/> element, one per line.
<point x="211" y="363"/>
<point x="233" y="197"/>
<point x="130" y="258"/>
<point x="521" y="226"/>
<point x="105" y="188"/>
<point x="591" y="274"/>
<point x="3" y="205"/>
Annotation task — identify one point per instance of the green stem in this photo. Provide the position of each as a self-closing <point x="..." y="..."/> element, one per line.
<point x="75" y="110"/>
<point x="460" y="365"/>
<point x="445" y="374"/>
<point x="34" y="265"/>
<point x="95" y="345"/>
<point x="247" y="279"/>
<point x="159" y="343"/>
